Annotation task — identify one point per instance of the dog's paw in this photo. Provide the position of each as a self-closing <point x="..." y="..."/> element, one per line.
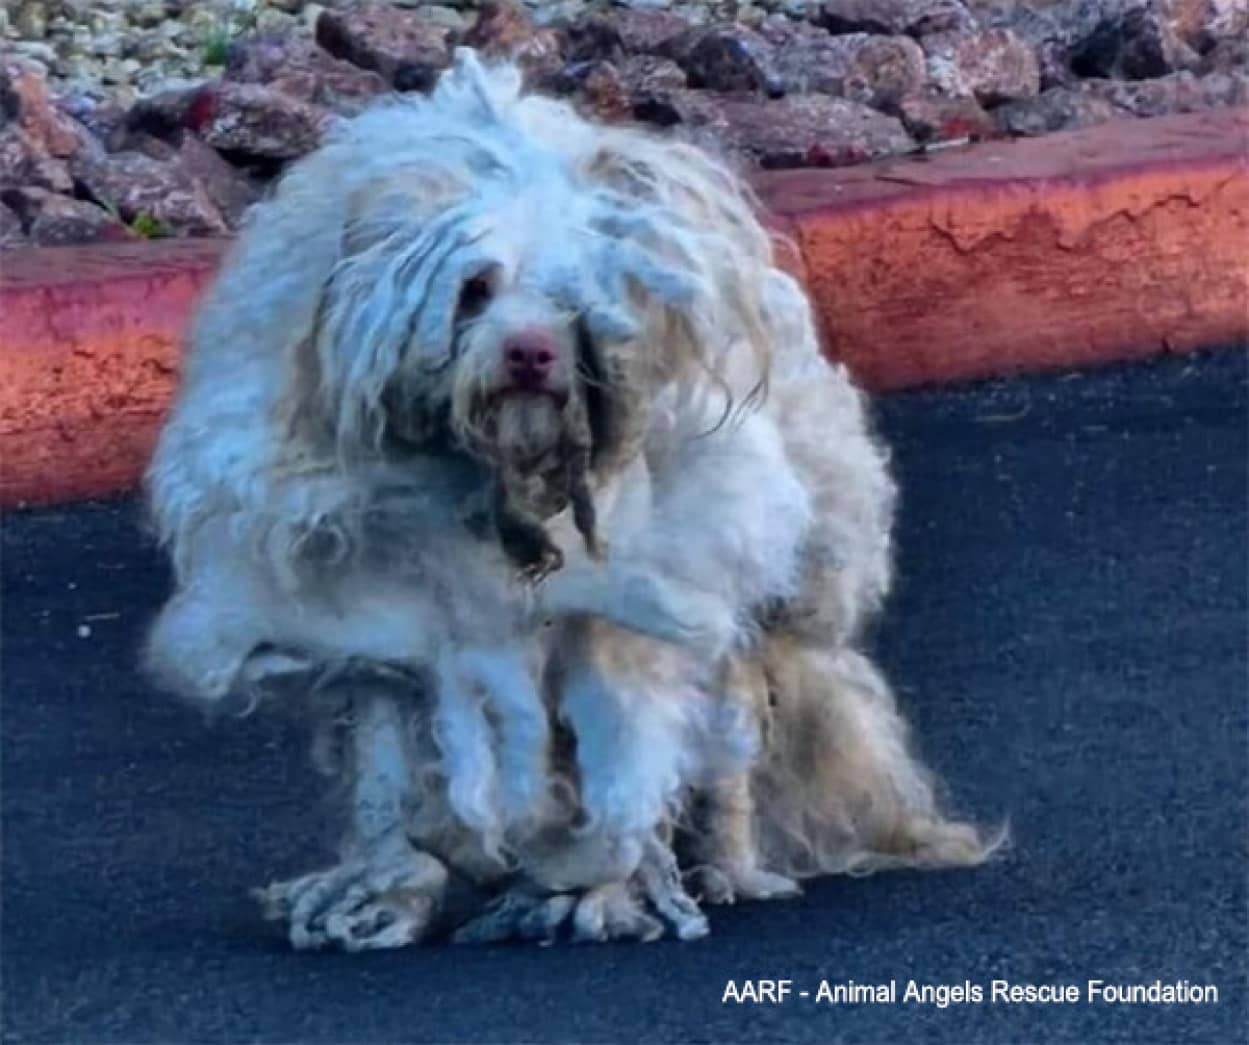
<point x="533" y="573"/>
<point x="650" y="904"/>
<point x="386" y="899"/>
<point x="727" y="885"/>
<point x="660" y="881"/>
<point x="673" y="612"/>
<point x="596" y="915"/>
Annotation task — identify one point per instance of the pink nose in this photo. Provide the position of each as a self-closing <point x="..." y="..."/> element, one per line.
<point x="529" y="358"/>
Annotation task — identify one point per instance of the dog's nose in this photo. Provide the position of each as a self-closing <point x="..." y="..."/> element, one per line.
<point x="529" y="359"/>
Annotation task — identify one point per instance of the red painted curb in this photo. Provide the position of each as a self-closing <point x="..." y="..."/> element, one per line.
<point x="89" y="347"/>
<point x="1110" y="243"/>
<point x="1079" y="248"/>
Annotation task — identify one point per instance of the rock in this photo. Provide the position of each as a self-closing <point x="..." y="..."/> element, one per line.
<point x="894" y="17"/>
<point x="102" y="118"/>
<point x="406" y="49"/>
<point x="133" y="184"/>
<point x="167" y="112"/>
<point x="610" y="36"/>
<point x="22" y="162"/>
<point x="203" y="24"/>
<point x="254" y="121"/>
<point x="441" y="15"/>
<point x="930" y="117"/>
<point x="556" y="13"/>
<point x="876" y="70"/>
<point x="272" y="21"/>
<point x="31" y="19"/>
<point x="51" y="220"/>
<point x="649" y="32"/>
<point x="12" y="235"/>
<point x="107" y="45"/>
<point x="24" y="100"/>
<point x="1227" y="56"/>
<point x="151" y="46"/>
<point x="595" y="39"/>
<point x="683" y="108"/>
<point x="1202" y="23"/>
<point x="1053" y="30"/>
<point x="615" y="90"/>
<point x="297" y="67"/>
<point x="1225" y="89"/>
<point x="646" y="75"/>
<point x="813" y="131"/>
<point x="36" y="138"/>
<point x="117" y="72"/>
<point x="1227" y="20"/>
<point x="727" y="58"/>
<point x="1177" y="93"/>
<point x="601" y="92"/>
<point x="1057" y="109"/>
<point x="991" y="65"/>
<point x="795" y="9"/>
<point x="148" y="13"/>
<point x="229" y="190"/>
<point x="39" y="55"/>
<point x="809" y="130"/>
<point x="1098" y="100"/>
<point x="1186" y="18"/>
<point x="1112" y="37"/>
<point x="1140" y="44"/>
<point x="504" y="30"/>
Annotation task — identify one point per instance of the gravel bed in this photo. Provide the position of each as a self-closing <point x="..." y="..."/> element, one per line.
<point x="148" y="118"/>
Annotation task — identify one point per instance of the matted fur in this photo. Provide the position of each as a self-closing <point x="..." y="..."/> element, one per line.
<point x="705" y="493"/>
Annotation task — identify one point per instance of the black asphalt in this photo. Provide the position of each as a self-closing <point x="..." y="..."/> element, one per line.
<point x="1069" y="635"/>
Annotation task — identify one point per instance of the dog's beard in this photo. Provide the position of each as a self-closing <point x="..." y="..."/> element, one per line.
<point x="539" y="450"/>
<point x="528" y="432"/>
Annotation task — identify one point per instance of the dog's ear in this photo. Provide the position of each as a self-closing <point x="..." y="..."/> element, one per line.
<point x="687" y="230"/>
<point x="269" y="289"/>
<point x="327" y="274"/>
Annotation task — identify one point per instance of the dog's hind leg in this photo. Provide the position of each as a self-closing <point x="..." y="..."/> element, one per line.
<point x="725" y="845"/>
<point x="728" y="856"/>
<point x="384" y="892"/>
<point x="839" y="787"/>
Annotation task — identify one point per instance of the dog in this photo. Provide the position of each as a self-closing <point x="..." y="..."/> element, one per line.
<point x="506" y="454"/>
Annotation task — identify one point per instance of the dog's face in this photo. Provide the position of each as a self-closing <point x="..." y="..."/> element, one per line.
<point x="473" y="323"/>
<point x="521" y="369"/>
<point x="489" y="291"/>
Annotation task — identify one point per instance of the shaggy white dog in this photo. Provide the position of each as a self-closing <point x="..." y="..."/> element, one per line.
<point x="505" y="451"/>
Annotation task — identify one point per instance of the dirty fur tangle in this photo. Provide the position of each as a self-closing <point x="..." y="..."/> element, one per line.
<point x="506" y="458"/>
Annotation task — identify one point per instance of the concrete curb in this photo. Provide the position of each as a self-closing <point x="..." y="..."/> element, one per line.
<point x="89" y="346"/>
<point x="1079" y="248"/>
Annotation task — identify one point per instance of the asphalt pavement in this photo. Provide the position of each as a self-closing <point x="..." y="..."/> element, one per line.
<point x="1068" y="635"/>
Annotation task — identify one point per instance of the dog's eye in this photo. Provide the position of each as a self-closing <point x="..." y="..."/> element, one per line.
<point x="474" y="296"/>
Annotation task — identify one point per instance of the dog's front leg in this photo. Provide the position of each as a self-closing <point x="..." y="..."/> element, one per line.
<point x="637" y="598"/>
<point x="609" y="874"/>
<point x="384" y="893"/>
